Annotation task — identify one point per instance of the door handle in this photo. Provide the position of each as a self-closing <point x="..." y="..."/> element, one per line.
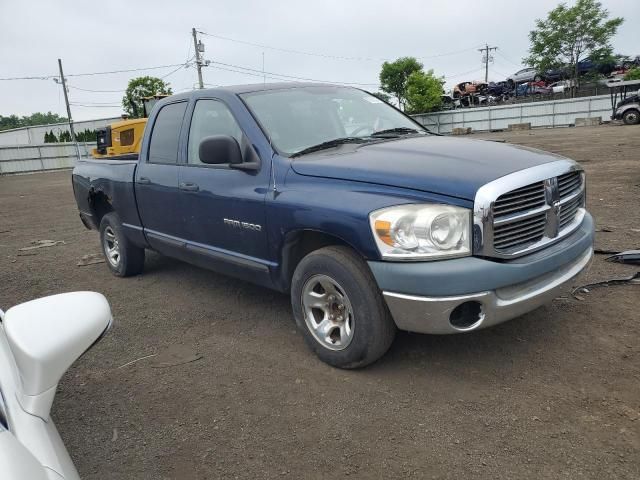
<point x="189" y="187"/>
<point x="144" y="181"/>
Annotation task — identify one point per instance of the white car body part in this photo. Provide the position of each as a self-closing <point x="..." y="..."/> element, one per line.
<point x="39" y="340"/>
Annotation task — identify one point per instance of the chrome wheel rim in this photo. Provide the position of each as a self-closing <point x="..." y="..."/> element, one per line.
<point x="632" y="118"/>
<point x="111" y="247"/>
<point x="327" y="312"/>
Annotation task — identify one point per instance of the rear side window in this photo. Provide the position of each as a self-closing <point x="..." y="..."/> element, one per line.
<point x="163" y="147"/>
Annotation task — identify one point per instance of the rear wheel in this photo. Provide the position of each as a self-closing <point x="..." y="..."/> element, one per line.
<point x="123" y="258"/>
<point x="631" y="117"/>
<point x="339" y="309"/>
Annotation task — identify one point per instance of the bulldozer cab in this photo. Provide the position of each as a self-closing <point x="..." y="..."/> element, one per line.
<point x="122" y="140"/>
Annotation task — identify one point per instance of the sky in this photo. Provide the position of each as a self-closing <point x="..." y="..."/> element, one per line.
<point x="341" y="41"/>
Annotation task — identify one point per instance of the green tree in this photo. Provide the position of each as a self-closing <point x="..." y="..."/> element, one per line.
<point x="394" y="76"/>
<point x="571" y="34"/>
<point x="140" y="88"/>
<point x="424" y="92"/>
<point x="38" y="118"/>
<point x="65" y="136"/>
<point x="382" y="96"/>
<point x="633" y="74"/>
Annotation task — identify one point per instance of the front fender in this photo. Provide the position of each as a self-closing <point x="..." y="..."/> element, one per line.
<point x="336" y="208"/>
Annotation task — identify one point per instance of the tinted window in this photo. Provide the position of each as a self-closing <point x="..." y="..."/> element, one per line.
<point x="163" y="147"/>
<point x="210" y="117"/>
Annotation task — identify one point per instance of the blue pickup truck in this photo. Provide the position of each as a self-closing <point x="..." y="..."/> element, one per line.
<point x="370" y="222"/>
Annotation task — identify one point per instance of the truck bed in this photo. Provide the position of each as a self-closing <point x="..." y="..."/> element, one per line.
<point x="111" y="178"/>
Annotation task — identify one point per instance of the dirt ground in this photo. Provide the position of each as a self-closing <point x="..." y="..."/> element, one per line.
<point x="554" y="394"/>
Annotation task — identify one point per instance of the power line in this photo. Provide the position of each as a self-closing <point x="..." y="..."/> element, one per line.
<point x="94" y="106"/>
<point x="125" y="71"/>
<point x="274" y="75"/>
<point x="40" y="77"/>
<point x="48" y="77"/>
<point x="94" y="91"/>
<point x="336" y="57"/>
<point x="514" y="63"/>
<point x="448" y="77"/>
<point x="97" y="103"/>
<point x="184" y="65"/>
<point x="285" y="50"/>
<point x="500" y="73"/>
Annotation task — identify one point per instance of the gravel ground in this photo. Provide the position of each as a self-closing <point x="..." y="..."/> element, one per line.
<point x="553" y="394"/>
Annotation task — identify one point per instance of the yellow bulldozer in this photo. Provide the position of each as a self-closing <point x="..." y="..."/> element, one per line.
<point x="121" y="140"/>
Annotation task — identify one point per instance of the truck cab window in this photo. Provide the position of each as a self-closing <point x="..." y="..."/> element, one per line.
<point x="127" y="137"/>
<point x="210" y="117"/>
<point x="163" y="147"/>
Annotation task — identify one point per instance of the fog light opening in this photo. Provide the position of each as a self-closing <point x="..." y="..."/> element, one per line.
<point x="466" y="316"/>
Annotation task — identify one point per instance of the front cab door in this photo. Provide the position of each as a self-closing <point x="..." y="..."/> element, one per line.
<point x="224" y="208"/>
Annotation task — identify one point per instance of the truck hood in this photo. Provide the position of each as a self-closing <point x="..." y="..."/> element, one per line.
<point x="442" y="165"/>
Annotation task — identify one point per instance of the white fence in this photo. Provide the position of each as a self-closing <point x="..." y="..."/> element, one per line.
<point x="555" y="113"/>
<point x="34" y="135"/>
<point x="48" y="156"/>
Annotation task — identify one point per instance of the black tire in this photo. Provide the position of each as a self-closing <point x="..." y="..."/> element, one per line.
<point x="130" y="259"/>
<point x="373" y="329"/>
<point x="631" y="117"/>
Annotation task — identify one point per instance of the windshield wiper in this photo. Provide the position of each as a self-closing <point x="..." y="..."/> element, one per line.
<point x="399" y="130"/>
<point x="329" y="144"/>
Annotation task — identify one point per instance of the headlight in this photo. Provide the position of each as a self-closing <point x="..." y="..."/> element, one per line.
<point x="415" y="232"/>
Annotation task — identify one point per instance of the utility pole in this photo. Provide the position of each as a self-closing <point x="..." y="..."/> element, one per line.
<point x="486" y="58"/>
<point x="199" y="48"/>
<point x="66" y="100"/>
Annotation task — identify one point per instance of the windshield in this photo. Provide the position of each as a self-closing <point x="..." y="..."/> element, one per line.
<point x="299" y="118"/>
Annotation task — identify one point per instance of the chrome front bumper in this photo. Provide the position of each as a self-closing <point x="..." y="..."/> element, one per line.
<point x="432" y="314"/>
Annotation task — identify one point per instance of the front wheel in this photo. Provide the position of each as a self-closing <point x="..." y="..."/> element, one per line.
<point x="631" y="117"/>
<point x="339" y="309"/>
<point x="123" y="258"/>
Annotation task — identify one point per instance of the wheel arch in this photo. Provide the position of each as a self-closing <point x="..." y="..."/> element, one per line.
<point x="100" y="204"/>
<point x="299" y="243"/>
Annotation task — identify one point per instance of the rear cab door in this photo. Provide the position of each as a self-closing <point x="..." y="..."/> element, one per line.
<point x="156" y="180"/>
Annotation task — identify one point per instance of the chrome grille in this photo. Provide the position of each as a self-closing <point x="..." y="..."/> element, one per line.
<point x="520" y="200"/>
<point x="519" y="233"/>
<point x="524" y="211"/>
<point x="569" y="183"/>
<point x="569" y="210"/>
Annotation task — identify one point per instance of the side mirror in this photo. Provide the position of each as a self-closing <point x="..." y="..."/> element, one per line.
<point x="220" y="149"/>
<point x="46" y="336"/>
